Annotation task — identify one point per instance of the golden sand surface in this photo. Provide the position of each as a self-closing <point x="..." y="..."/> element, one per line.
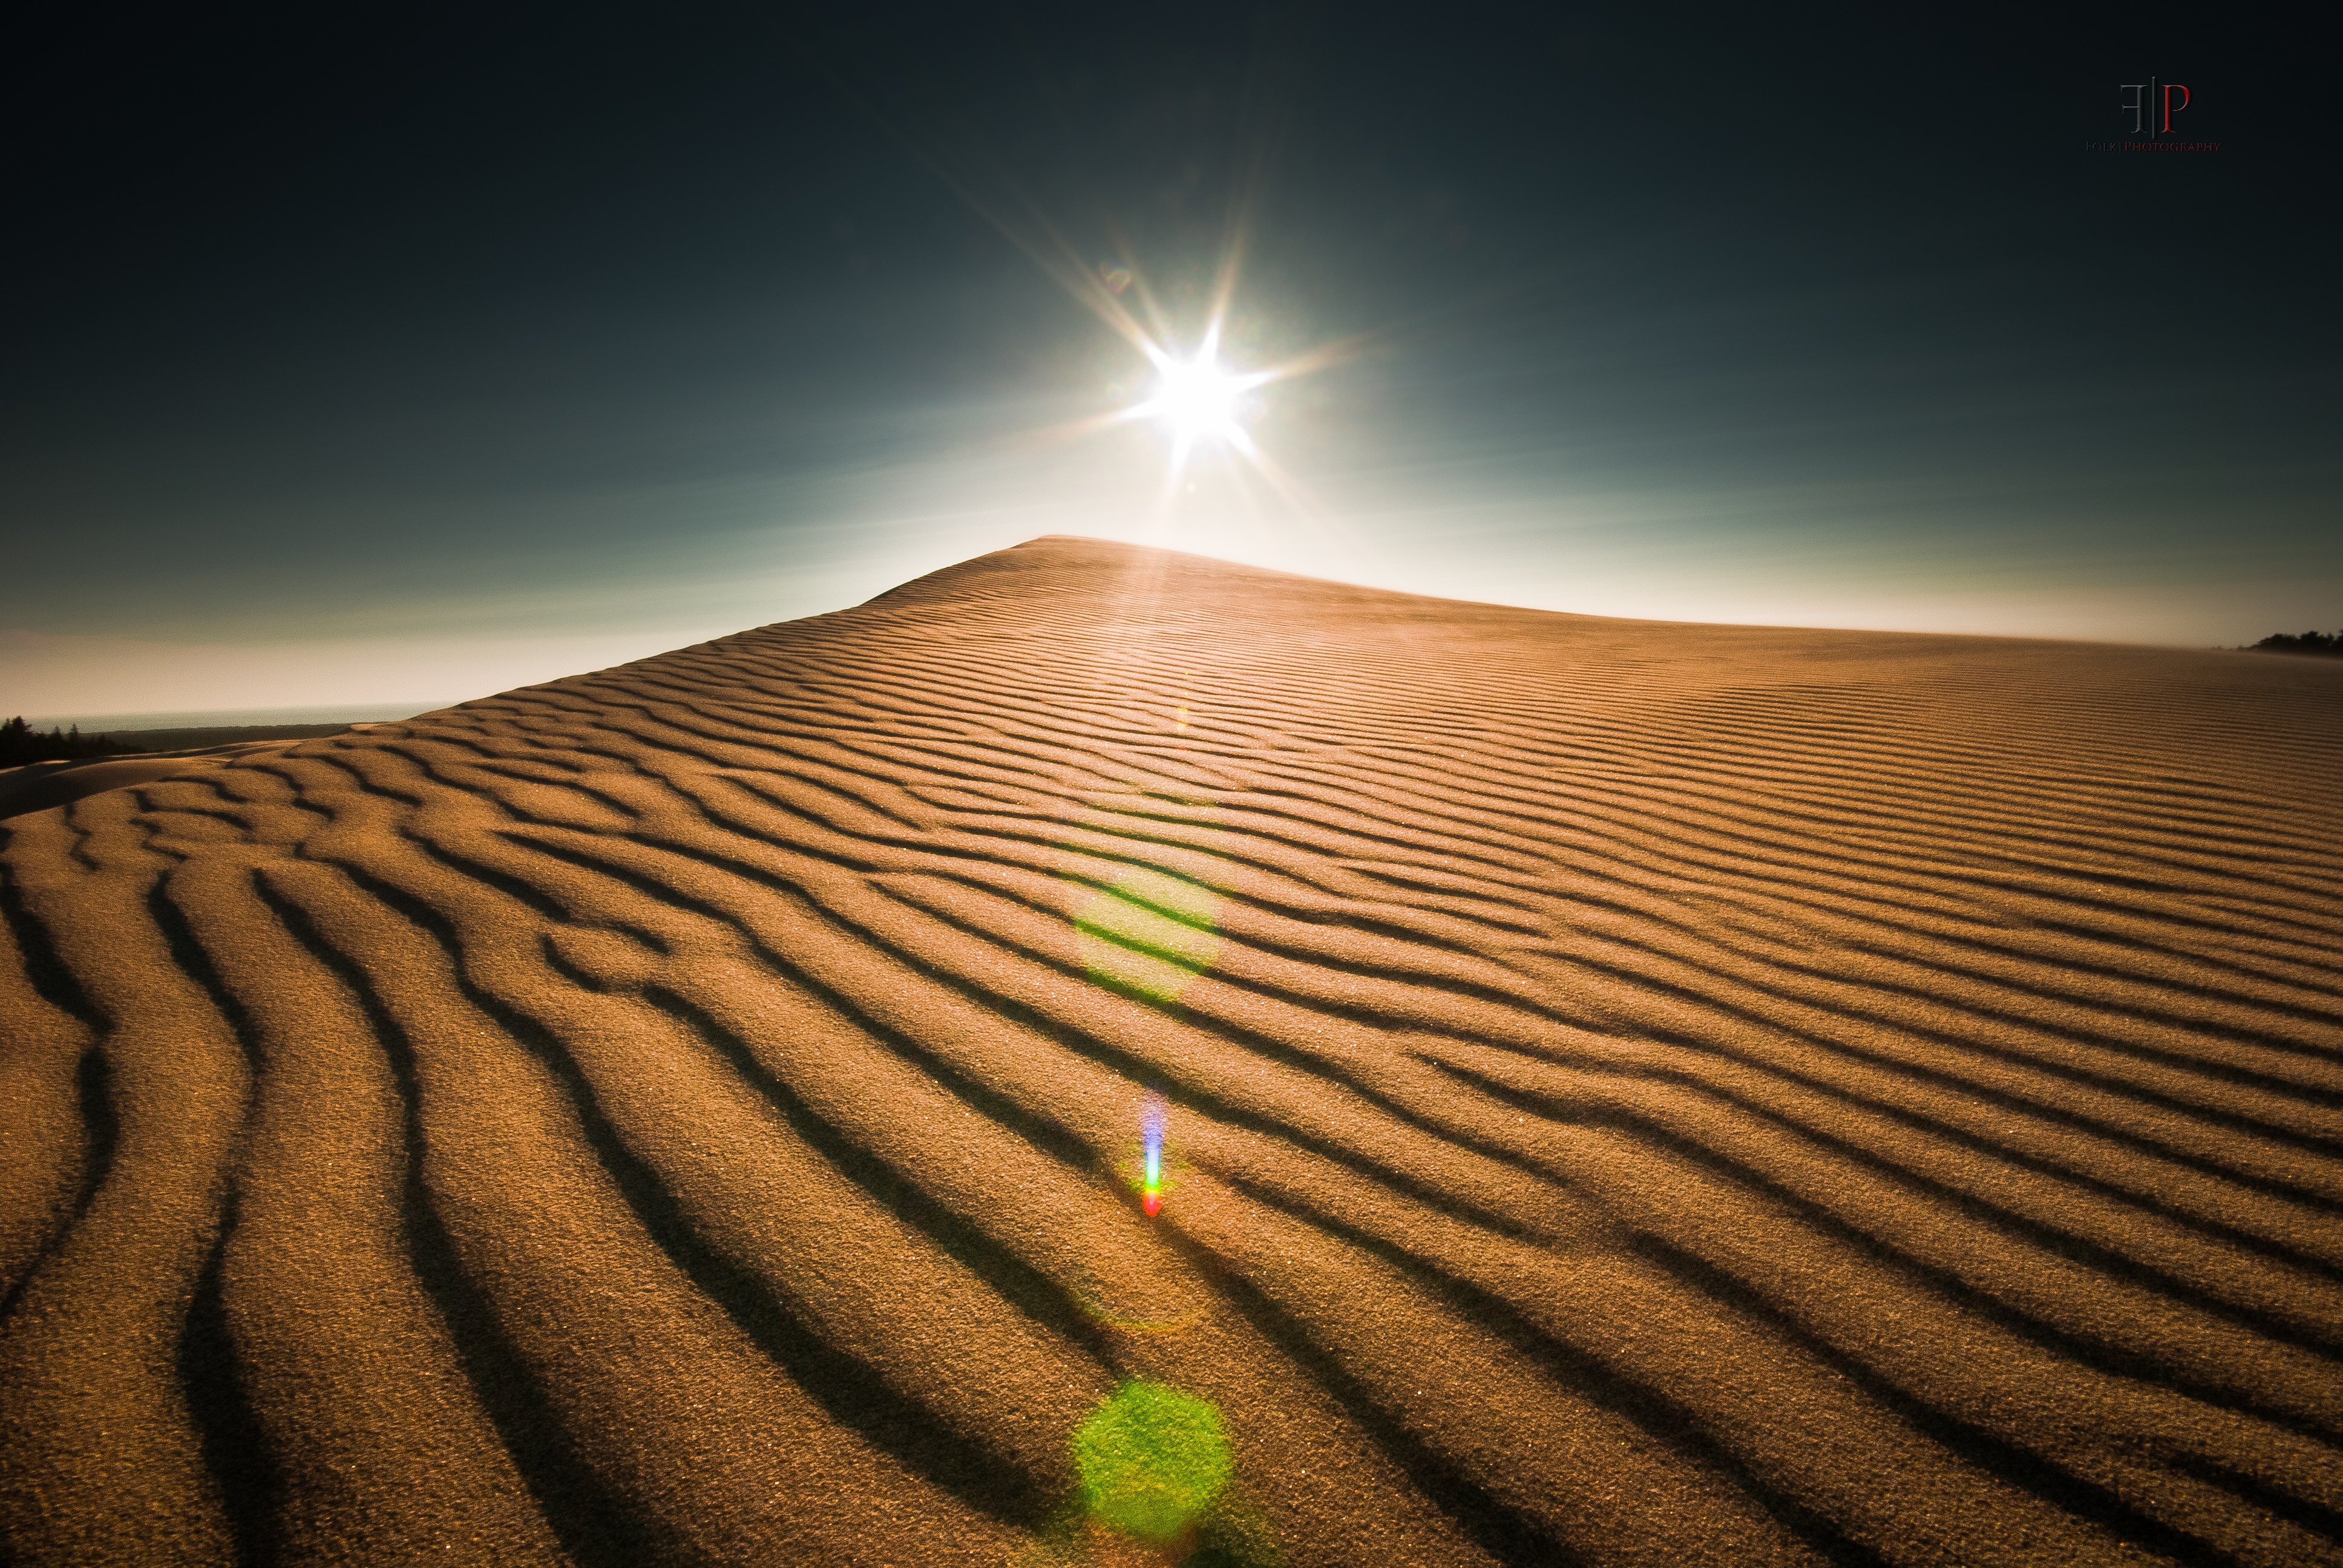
<point x="1630" y="1093"/>
<point x="38" y="786"/>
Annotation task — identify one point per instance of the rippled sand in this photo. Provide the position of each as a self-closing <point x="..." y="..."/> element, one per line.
<point x="1630" y="1093"/>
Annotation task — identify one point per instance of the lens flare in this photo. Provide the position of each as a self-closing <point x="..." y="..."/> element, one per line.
<point x="1151" y="1124"/>
<point x="1152" y="1460"/>
<point x="1198" y="399"/>
<point x="1149" y="934"/>
<point x="1195" y="398"/>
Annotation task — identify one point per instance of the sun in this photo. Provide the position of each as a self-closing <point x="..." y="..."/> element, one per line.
<point x="1198" y="399"/>
<point x="1199" y="402"/>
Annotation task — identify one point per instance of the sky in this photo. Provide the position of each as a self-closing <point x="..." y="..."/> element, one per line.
<point x="375" y="354"/>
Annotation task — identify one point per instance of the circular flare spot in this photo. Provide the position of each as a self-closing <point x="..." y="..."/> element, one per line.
<point x="1148" y="935"/>
<point x="1152" y="1459"/>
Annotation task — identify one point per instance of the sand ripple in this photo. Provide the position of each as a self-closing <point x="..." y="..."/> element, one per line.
<point x="1633" y="1093"/>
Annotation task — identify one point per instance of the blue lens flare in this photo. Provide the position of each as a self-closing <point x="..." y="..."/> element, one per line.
<point x="1151" y="1195"/>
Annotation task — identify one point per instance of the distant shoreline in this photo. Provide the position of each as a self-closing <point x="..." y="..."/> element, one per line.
<point x="193" y="738"/>
<point x="145" y="722"/>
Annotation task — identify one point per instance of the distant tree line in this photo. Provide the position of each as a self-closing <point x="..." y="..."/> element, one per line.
<point x="2307" y="642"/>
<point x="21" y="743"/>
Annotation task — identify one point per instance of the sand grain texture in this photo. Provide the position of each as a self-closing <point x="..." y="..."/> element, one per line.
<point x="1635" y="1094"/>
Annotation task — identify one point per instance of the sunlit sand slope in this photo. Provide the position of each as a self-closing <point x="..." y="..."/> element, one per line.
<point x="1632" y="1093"/>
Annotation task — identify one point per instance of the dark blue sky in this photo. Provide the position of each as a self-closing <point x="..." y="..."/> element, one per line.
<point x="390" y="352"/>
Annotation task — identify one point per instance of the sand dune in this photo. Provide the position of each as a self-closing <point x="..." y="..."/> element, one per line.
<point x="38" y="786"/>
<point x="1630" y="1093"/>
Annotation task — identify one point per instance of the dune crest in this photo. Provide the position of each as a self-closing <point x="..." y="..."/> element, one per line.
<point x="1629" y="1094"/>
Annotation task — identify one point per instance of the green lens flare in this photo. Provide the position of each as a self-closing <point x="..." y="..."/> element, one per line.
<point x="1152" y="1459"/>
<point x="1149" y="934"/>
